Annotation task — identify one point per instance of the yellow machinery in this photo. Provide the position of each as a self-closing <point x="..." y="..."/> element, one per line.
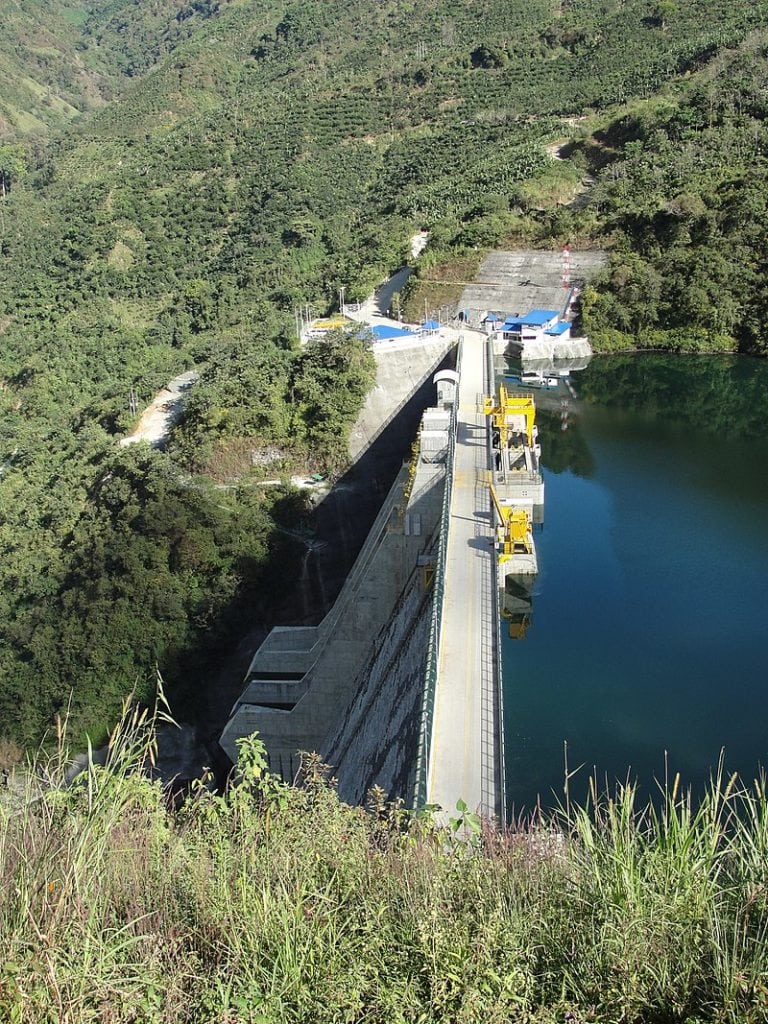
<point x="516" y="527"/>
<point x="510" y="405"/>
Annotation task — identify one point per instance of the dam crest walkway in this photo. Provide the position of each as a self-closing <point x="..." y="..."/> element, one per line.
<point x="465" y="759"/>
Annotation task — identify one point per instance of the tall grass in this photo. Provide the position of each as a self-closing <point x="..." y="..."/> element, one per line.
<point x="277" y="904"/>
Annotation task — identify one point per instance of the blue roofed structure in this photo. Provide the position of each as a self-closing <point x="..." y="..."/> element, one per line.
<point x="560" y="328"/>
<point x="382" y="332"/>
<point x="538" y="317"/>
<point x="535" y="326"/>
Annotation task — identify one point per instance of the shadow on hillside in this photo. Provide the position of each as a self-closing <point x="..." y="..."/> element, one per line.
<point x="316" y="569"/>
<point x="344" y="518"/>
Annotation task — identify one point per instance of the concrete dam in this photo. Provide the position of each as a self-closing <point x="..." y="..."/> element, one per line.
<point x="351" y="687"/>
<point x="399" y="686"/>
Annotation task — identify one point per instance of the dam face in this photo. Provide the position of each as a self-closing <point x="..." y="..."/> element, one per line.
<point x="331" y="687"/>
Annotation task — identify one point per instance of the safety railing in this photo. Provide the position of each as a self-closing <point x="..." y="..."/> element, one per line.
<point x="498" y="672"/>
<point x="438" y="596"/>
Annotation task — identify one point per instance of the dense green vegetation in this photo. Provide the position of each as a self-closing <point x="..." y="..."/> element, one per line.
<point x="45" y="78"/>
<point x="136" y="563"/>
<point x="253" y="158"/>
<point x="273" y="905"/>
<point x="62" y="58"/>
<point x="682" y="192"/>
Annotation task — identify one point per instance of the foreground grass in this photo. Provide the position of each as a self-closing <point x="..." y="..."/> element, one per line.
<point x="275" y="904"/>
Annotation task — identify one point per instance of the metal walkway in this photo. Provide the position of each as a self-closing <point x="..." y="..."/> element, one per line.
<point x="464" y="756"/>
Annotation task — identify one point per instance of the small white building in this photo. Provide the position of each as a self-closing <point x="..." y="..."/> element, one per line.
<point x="540" y="334"/>
<point x="530" y="327"/>
<point x="560" y="332"/>
<point x="491" y="322"/>
<point x="447" y="382"/>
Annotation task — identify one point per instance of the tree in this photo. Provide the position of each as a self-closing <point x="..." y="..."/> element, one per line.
<point x="663" y="10"/>
<point x="489" y="55"/>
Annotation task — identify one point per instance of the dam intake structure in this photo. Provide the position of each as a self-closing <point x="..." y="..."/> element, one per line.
<point x="516" y="486"/>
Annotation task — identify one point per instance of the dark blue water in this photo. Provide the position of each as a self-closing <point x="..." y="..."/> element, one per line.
<point x="649" y="634"/>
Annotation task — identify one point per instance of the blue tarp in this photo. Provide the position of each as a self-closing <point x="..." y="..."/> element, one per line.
<point x="431" y="325"/>
<point x="383" y="333"/>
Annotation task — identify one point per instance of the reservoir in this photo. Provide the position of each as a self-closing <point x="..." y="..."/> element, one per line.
<point x="647" y="649"/>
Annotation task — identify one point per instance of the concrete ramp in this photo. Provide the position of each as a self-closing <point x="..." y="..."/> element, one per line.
<point x="524" y="279"/>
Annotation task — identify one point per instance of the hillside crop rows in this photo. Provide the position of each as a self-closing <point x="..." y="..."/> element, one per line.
<point x="228" y="162"/>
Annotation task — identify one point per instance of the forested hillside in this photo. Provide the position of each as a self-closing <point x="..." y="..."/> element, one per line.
<point x="61" y="58"/>
<point x="45" y="75"/>
<point x="255" y="157"/>
<point x="682" y="194"/>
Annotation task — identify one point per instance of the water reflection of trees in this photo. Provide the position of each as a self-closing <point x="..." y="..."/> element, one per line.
<point x="563" y="449"/>
<point x="722" y="394"/>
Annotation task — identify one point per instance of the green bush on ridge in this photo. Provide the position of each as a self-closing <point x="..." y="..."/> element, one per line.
<point x="273" y="903"/>
<point x="681" y="190"/>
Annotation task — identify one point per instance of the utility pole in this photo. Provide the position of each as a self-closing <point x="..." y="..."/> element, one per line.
<point x="566" y="267"/>
<point x="341" y="299"/>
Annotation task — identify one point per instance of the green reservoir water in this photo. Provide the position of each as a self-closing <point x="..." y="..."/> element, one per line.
<point x="649" y="631"/>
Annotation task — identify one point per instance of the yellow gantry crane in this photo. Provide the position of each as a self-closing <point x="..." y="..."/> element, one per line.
<point x="516" y="529"/>
<point x="507" y="406"/>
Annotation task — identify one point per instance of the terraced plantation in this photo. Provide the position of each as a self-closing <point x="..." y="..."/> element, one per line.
<point x="203" y="169"/>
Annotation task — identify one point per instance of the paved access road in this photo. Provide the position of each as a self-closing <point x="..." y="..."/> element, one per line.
<point x="462" y="756"/>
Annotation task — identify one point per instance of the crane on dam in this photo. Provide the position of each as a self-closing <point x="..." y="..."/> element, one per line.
<point x="514" y="432"/>
<point x="516" y="535"/>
